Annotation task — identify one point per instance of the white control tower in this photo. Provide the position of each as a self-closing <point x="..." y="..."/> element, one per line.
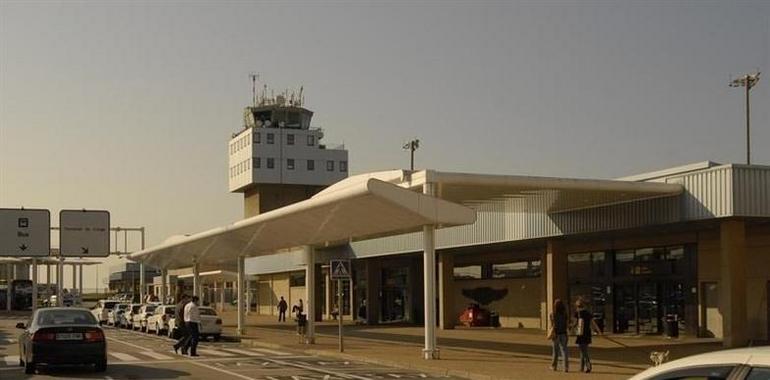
<point x="277" y="158"/>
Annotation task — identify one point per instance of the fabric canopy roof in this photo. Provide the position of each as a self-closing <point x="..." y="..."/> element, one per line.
<point x="350" y="210"/>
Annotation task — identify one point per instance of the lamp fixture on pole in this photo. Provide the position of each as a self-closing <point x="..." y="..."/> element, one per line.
<point x="411" y="146"/>
<point x="748" y="81"/>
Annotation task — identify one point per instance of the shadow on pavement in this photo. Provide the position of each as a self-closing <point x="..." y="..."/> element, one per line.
<point x="122" y="371"/>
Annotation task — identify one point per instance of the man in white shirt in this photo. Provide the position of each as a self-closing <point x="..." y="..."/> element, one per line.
<point x="192" y="320"/>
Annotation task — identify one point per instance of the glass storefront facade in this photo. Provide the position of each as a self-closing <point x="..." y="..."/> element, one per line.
<point x="633" y="291"/>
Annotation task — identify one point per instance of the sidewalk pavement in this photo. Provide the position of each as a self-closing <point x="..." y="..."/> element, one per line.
<point x="470" y="353"/>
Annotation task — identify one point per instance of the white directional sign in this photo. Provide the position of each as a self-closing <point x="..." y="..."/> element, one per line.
<point x="340" y="269"/>
<point x="84" y="233"/>
<point x="25" y="232"/>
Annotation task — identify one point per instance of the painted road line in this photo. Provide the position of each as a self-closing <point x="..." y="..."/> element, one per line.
<point x="319" y="370"/>
<point x="269" y="351"/>
<point x="11" y="360"/>
<point x="238" y="375"/>
<point x="214" y="352"/>
<point x="243" y="352"/>
<point x="124" y="357"/>
<point x="155" y="355"/>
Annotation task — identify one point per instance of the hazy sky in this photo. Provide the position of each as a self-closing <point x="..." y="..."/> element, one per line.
<point x="128" y="106"/>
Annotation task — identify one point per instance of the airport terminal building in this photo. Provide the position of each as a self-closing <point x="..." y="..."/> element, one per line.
<point x="691" y="242"/>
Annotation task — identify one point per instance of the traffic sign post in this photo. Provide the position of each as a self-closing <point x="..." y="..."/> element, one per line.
<point x="25" y="232"/>
<point x="340" y="270"/>
<point x="84" y="233"/>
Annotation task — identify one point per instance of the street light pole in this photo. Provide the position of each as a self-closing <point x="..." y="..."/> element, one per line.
<point x="748" y="81"/>
<point x="411" y="146"/>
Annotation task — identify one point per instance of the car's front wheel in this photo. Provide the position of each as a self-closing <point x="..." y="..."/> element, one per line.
<point x="100" y="366"/>
<point x="29" y="368"/>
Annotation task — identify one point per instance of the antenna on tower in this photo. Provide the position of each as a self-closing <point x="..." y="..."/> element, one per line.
<point x="254" y="76"/>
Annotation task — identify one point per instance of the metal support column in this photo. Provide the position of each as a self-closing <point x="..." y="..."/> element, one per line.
<point x="142" y="287"/>
<point x="60" y="281"/>
<point x="329" y="294"/>
<point x="164" y="286"/>
<point x="74" y="278"/>
<point x="429" y="266"/>
<point x="310" y="285"/>
<point x="196" y="279"/>
<point x="48" y="274"/>
<point x="240" y="289"/>
<point x="80" y="281"/>
<point x="34" y="285"/>
<point x="8" y="280"/>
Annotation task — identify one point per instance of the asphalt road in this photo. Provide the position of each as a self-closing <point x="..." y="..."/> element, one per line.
<point x="137" y="355"/>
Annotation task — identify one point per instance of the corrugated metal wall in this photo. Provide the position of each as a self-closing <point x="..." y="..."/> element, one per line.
<point x="721" y="191"/>
<point x="752" y="190"/>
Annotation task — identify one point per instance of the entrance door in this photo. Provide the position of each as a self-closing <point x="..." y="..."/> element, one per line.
<point x="648" y="309"/>
<point x="625" y="309"/>
<point x="394" y="294"/>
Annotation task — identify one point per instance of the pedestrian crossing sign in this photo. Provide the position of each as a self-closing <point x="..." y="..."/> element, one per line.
<point x="340" y="269"/>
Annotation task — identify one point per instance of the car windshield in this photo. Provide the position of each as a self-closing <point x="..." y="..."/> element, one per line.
<point x="135" y="308"/>
<point x="206" y="311"/>
<point x="170" y="311"/>
<point x="122" y="307"/>
<point x="150" y="308"/>
<point x="65" y="317"/>
<point x="110" y="304"/>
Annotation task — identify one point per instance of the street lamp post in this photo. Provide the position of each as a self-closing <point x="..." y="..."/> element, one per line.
<point x="748" y="81"/>
<point x="412" y="146"/>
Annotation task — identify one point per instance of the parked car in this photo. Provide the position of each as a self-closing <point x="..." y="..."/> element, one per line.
<point x="102" y="309"/>
<point x="59" y="335"/>
<point x="114" y="316"/>
<point x="158" y="321"/>
<point x="211" y="324"/>
<point x="737" y="364"/>
<point x="139" y="321"/>
<point x="131" y="311"/>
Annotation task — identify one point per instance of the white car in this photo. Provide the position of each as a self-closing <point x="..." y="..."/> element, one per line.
<point x="738" y="364"/>
<point x="211" y="324"/>
<point x="132" y="310"/>
<point x="158" y="321"/>
<point x="115" y="316"/>
<point x="102" y="309"/>
<point x="139" y="319"/>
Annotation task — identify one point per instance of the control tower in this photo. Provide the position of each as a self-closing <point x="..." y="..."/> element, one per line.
<point x="277" y="158"/>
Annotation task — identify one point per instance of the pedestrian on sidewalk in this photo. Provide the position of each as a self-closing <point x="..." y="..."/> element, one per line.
<point x="192" y="319"/>
<point x="184" y="333"/>
<point x="584" y="320"/>
<point x="282" y="307"/>
<point x="558" y="335"/>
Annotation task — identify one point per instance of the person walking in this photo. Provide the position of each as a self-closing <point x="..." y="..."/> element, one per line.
<point x="558" y="335"/>
<point x="584" y="320"/>
<point x="282" y="307"/>
<point x="192" y="319"/>
<point x="184" y="334"/>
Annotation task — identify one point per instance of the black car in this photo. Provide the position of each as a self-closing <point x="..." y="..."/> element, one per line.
<point x="59" y="335"/>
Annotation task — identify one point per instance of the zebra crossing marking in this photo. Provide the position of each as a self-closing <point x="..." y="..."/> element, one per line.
<point x="11" y="360"/>
<point x="124" y="357"/>
<point x="155" y="355"/>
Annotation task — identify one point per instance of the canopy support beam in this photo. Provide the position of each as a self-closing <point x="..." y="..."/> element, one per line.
<point x="164" y="286"/>
<point x="430" y="351"/>
<point x="9" y="281"/>
<point x="80" y="281"/>
<point x="310" y="285"/>
<point x="196" y="278"/>
<point x="241" y="302"/>
<point x="142" y="286"/>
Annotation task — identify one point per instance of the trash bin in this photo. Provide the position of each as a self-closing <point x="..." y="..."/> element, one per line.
<point x="671" y="326"/>
<point x="494" y="319"/>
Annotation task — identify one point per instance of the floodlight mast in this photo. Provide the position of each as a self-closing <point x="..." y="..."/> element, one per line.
<point x="411" y="146"/>
<point x="748" y="81"/>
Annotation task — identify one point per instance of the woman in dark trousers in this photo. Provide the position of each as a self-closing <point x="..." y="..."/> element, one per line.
<point x="558" y="334"/>
<point x="184" y="334"/>
<point x="585" y="323"/>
